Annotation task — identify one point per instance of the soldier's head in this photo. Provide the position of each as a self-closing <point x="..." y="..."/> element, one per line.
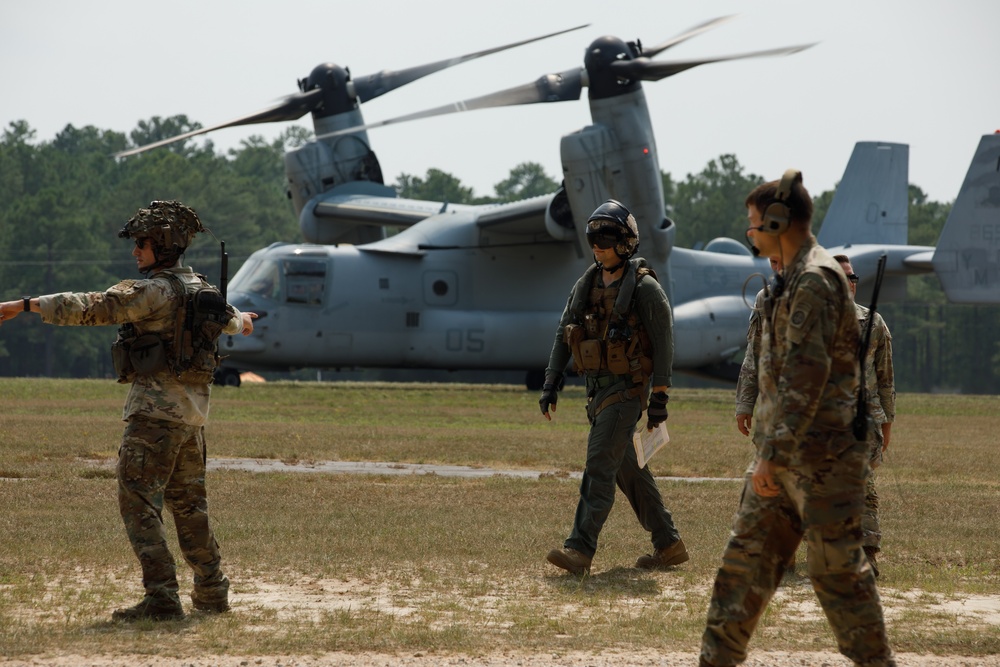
<point x="166" y="227"/>
<point x="612" y="226"/>
<point x="779" y="213"/>
<point x="852" y="277"/>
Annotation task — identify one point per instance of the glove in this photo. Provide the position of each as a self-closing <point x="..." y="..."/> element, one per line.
<point x="550" y="392"/>
<point x="656" y="413"/>
<point x="550" y="395"/>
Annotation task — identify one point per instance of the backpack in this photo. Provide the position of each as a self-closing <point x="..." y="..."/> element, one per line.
<point x="202" y="314"/>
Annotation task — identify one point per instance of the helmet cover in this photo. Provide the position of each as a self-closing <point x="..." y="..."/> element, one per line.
<point x="170" y="224"/>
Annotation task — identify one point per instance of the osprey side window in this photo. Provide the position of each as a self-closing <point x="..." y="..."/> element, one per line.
<point x="305" y="280"/>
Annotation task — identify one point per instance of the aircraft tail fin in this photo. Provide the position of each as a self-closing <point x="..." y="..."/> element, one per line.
<point x="871" y="203"/>
<point x="967" y="256"/>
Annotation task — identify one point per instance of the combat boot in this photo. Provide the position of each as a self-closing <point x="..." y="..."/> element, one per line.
<point x="570" y="560"/>
<point x="660" y="559"/>
<point x="212" y="599"/>
<point x="153" y="609"/>
<point x="872" y="560"/>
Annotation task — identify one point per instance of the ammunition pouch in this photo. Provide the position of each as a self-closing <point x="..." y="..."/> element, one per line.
<point x="148" y="355"/>
<point x="120" y="356"/>
<point x="617" y="357"/>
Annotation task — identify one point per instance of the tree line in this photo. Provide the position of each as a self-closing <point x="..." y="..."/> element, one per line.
<point x="64" y="201"/>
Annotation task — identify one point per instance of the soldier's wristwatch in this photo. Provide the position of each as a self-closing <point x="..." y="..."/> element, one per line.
<point x="27" y="304"/>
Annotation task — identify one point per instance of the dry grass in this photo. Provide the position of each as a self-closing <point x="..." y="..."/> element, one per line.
<point x="356" y="563"/>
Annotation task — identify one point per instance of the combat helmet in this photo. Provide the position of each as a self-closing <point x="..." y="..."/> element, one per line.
<point x="169" y="225"/>
<point x="613" y="219"/>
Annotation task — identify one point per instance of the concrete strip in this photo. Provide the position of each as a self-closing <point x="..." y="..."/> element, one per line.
<point x="383" y="468"/>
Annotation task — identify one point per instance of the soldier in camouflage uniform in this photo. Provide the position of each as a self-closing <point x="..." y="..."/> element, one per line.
<point x="808" y="457"/>
<point x="746" y="383"/>
<point x="162" y="455"/>
<point x="880" y="387"/>
<point x="617" y="326"/>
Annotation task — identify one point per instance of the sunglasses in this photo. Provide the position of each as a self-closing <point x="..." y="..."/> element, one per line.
<point x="141" y="243"/>
<point x="853" y="277"/>
<point x="603" y="241"/>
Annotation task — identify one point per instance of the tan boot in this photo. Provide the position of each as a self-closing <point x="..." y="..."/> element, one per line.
<point x="570" y="560"/>
<point x="660" y="559"/>
<point x="213" y="600"/>
<point x="152" y="609"/>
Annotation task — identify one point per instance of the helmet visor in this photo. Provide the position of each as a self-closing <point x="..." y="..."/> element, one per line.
<point x="603" y="239"/>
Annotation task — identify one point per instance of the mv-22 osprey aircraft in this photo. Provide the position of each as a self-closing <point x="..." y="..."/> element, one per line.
<point x="482" y="287"/>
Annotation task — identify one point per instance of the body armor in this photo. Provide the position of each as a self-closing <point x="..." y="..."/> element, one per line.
<point x="189" y="350"/>
<point x="607" y="335"/>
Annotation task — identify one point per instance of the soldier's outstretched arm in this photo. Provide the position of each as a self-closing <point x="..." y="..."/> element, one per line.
<point x="11" y="309"/>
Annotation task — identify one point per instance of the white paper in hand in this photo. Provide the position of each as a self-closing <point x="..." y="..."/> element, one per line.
<point x="648" y="443"/>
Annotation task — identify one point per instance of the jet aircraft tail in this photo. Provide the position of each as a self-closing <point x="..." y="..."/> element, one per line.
<point x="967" y="256"/>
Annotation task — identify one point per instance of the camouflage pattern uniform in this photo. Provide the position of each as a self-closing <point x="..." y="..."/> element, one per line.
<point x="162" y="454"/>
<point x="808" y="375"/>
<point x="611" y="458"/>
<point x="746" y="383"/>
<point x="880" y="386"/>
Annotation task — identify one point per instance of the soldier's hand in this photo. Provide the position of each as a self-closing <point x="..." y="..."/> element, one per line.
<point x="248" y="319"/>
<point x="763" y="481"/>
<point x="656" y="413"/>
<point x="550" y="394"/>
<point x="743" y="423"/>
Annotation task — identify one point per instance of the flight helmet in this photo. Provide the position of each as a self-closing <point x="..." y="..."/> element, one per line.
<point x="611" y="221"/>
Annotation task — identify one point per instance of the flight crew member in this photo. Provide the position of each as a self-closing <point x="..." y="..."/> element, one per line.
<point x="808" y="457"/>
<point x="162" y="455"/>
<point x="880" y="386"/>
<point x="617" y="326"/>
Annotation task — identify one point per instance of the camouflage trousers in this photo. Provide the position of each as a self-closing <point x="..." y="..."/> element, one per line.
<point x="871" y="528"/>
<point x="611" y="462"/>
<point x="822" y="502"/>
<point x="163" y="462"/>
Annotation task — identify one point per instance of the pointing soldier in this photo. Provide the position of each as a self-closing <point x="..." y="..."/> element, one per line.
<point x="618" y="327"/>
<point x="162" y="455"/>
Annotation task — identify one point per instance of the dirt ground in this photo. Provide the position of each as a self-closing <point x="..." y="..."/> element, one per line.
<point x="312" y="598"/>
<point x="512" y="659"/>
<point x="300" y="599"/>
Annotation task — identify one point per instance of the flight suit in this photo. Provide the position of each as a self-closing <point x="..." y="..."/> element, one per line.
<point x="615" y="403"/>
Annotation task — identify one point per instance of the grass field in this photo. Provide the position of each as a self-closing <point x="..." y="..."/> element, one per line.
<point x="442" y="564"/>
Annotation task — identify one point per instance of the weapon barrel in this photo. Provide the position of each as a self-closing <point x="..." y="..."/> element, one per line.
<point x="860" y="424"/>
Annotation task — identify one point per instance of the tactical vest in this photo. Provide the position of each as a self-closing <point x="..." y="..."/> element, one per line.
<point x="607" y="334"/>
<point x="191" y="351"/>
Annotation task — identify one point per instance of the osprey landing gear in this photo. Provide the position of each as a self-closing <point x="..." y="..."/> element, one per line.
<point x="227" y="377"/>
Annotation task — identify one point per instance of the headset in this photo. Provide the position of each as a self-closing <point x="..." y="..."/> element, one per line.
<point x="778" y="216"/>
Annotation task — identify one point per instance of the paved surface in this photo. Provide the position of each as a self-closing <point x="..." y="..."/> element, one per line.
<point x="382" y="468"/>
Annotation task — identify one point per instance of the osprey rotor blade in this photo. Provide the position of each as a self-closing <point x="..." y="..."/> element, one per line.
<point x="645" y="69"/>
<point x="684" y="36"/>
<point x="371" y="86"/>
<point x="561" y="87"/>
<point x="291" y="108"/>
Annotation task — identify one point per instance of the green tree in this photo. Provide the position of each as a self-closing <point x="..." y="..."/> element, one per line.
<point x="526" y="180"/>
<point x="435" y="186"/>
<point x="710" y="204"/>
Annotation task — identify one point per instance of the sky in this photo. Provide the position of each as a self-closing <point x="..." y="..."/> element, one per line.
<point x="919" y="72"/>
